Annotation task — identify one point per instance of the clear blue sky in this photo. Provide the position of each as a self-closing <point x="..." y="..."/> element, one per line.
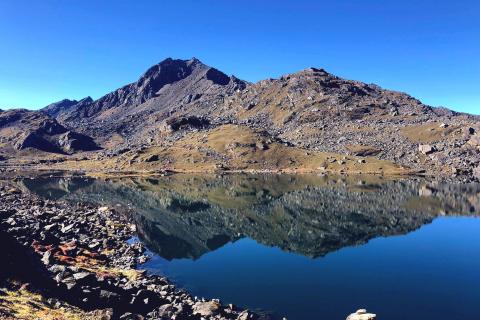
<point x="55" y="49"/>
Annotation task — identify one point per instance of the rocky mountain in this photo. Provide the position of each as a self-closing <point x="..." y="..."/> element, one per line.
<point x="316" y="110"/>
<point x="186" y="116"/>
<point x="168" y="88"/>
<point x="23" y="130"/>
<point x="56" y="108"/>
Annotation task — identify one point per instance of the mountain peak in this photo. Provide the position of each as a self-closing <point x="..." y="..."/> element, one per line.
<point x="55" y="108"/>
<point x="169" y="83"/>
<point x="194" y="60"/>
<point x="86" y="99"/>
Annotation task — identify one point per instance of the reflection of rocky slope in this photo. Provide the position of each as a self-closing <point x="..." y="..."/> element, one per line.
<point x="187" y="216"/>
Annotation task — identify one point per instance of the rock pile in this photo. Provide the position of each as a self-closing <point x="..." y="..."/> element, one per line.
<point x="89" y="264"/>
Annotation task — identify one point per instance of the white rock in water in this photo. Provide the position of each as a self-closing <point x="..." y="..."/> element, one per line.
<point x="362" y="314"/>
<point x="103" y="209"/>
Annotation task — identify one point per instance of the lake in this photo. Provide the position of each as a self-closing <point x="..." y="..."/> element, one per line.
<point x="303" y="246"/>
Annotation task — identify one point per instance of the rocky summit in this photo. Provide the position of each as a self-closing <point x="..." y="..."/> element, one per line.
<point x="183" y="115"/>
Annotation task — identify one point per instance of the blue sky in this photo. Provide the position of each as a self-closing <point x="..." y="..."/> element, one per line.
<point x="55" y="49"/>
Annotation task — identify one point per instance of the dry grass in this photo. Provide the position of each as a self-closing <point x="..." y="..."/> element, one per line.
<point x="233" y="148"/>
<point x="430" y="132"/>
<point x="237" y="148"/>
<point x="26" y="305"/>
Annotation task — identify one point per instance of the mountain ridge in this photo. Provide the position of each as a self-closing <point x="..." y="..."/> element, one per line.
<point x="310" y="111"/>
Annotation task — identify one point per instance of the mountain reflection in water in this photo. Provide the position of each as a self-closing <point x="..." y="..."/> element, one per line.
<point x="256" y="240"/>
<point x="185" y="216"/>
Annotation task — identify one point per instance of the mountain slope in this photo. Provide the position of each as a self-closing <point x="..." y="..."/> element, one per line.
<point x="22" y="131"/>
<point x="319" y="111"/>
<point x="172" y="86"/>
<point x="177" y="105"/>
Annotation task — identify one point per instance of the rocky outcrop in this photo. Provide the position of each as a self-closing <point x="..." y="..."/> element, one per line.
<point x="35" y="141"/>
<point x="71" y="142"/>
<point x="190" y="122"/>
<point x="56" y="108"/>
<point x="170" y="87"/>
<point x="32" y="130"/>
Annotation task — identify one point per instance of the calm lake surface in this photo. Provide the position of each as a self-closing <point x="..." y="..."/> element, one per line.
<point x="304" y="247"/>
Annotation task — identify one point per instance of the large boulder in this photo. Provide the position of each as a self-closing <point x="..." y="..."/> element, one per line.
<point x="71" y="142"/>
<point x="206" y="309"/>
<point x="50" y="127"/>
<point x="182" y="123"/>
<point x="35" y="141"/>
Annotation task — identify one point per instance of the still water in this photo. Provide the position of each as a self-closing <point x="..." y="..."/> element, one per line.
<point x="304" y="247"/>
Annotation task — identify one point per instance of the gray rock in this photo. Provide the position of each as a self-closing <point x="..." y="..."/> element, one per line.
<point x="426" y="149"/>
<point x="208" y="308"/>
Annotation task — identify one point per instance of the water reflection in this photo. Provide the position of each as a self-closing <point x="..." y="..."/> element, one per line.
<point x="256" y="240"/>
<point x="187" y="216"/>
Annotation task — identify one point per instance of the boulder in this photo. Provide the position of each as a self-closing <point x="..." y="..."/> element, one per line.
<point x="183" y="123"/>
<point x="246" y="315"/>
<point x="167" y="311"/>
<point x="152" y="158"/>
<point x="35" y="141"/>
<point x="72" y="142"/>
<point x="362" y="314"/>
<point x="109" y="298"/>
<point x="426" y="149"/>
<point x="51" y="127"/>
<point x="206" y="308"/>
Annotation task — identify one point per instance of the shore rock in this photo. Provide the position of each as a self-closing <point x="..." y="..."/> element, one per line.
<point x="362" y="314"/>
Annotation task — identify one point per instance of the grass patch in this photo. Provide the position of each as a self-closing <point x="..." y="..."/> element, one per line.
<point x="26" y="305"/>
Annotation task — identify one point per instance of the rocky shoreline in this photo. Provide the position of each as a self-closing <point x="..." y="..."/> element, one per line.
<point x="80" y="257"/>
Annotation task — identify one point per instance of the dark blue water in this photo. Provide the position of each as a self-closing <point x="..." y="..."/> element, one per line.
<point x="417" y="276"/>
<point x="305" y="247"/>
